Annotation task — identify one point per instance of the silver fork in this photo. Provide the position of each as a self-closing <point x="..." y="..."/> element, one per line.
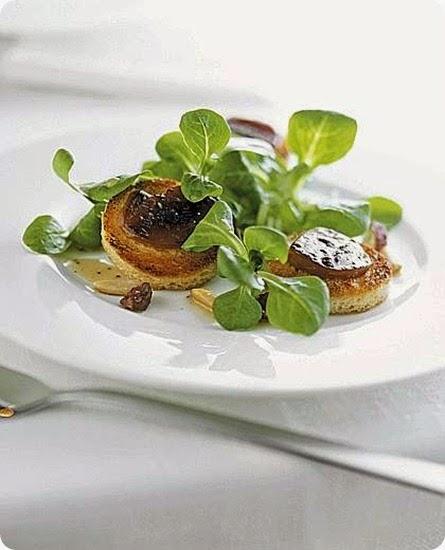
<point x="23" y="394"/>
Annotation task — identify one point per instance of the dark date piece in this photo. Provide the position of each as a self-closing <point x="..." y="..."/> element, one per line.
<point x="138" y="298"/>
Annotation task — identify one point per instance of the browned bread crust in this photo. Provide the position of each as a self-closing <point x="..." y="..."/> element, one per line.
<point x="163" y="268"/>
<point x="355" y="294"/>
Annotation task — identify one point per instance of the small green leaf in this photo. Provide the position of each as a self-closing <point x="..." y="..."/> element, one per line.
<point x="195" y="188"/>
<point x="262" y="167"/>
<point x="205" y="133"/>
<point x="271" y="243"/>
<point x="241" y="188"/>
<point x="320" y="137"/>
<point x="86" y="234"/>
<point x="297" y="304"/>
<point x="106" y="190"/>
<point x="148" y="165"/>
<point x="215" y="229"/>
<point x="46" y="236"/>
<point x="350" y="219"/>
<point x="237" y="269"/>
<point x="164" y="169"/>
<point x="237" y="309"/>
<point x="385" y="211"/>
<point x="289" y="218"/>
<point x="294" y="180"/>
<point x="62" y="163"/>
<point x="172" y="147"/>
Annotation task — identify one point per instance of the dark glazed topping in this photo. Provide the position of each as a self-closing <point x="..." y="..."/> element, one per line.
<point x="326" y="252"/>
<point x="165" y="219"/>
<point x="138" y="298"/>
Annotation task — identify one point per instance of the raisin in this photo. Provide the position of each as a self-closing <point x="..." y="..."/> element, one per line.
<point x="138" y="298"/>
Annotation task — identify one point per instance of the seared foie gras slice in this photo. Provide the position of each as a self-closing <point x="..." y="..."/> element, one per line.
<point x="143" y="229"/>
<point x="354" y="294"/>
<point x="327" y="253"/>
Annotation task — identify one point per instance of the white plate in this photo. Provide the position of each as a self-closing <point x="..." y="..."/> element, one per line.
<point x="176" y="347"/>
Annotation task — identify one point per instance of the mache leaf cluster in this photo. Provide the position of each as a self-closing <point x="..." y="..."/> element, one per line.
<point x="45" y="235"/>
<point x="296" y="304"/>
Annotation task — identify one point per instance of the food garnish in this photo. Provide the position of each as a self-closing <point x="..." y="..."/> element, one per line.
<point x="114" y="287"/>
<point x="353" y="294"/>
<point x="298" y="305"/>
<point x="235" y="202"/>
<point x="163" y="218"/>
<point x="143" y="229"/>
<point x="137" y="298"/>
<point x="45" y="235"/>
<point x="386" y="211"/>
<point x="396" y="269"/>
<point x="203" y="297"/>
<point x="102" y="276"/>
<point x="328" y="253"/>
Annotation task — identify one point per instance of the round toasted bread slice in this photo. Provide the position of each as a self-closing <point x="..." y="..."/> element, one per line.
<point x="355" y="294"/>
<point x="143" y="229"/>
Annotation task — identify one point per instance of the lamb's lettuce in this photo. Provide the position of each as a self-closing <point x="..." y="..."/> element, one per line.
<point x="298" y="304"/>
<point x="45" y="235"/>
<point x="205" y="132"/>
<point x="272" y="244"/>
<point x="241" y="187"/>
<point x="262" y="189"/>
<point x="320" y="137"/>
<point x="386" y="211"/>
<point x="197" y="187"/>
<point x="351" y="219"/>
<point x="62" y="163"/>
<point x="104" y="191"/>
<point x="215" y="229"/>
<point x="237" y="309"/>
<point x="171" y="147"/>
<point x="236" y="268"/>
<point x="86" y="235"/>
<point x="241" y="261"/>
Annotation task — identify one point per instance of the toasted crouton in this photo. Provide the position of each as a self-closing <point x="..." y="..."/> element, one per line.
<point x="143" y="229"/>
<point x="355" y="294"/>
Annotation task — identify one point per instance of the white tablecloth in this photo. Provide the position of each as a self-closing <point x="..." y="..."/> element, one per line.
<point x="138" y="475"/>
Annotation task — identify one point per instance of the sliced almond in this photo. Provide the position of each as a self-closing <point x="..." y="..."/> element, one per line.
<point x="396" y="269"/>
<point x="203" y="298"/>
<point x="114" y="286"/>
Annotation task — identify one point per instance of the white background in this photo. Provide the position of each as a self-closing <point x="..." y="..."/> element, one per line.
<point x="380" y="61"/>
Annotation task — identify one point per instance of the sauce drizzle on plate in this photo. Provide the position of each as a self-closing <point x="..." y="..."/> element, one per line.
<point x="101" y="276"/>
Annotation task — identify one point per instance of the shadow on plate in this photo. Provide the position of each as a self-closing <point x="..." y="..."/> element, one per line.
<point x="215" y="349"/>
